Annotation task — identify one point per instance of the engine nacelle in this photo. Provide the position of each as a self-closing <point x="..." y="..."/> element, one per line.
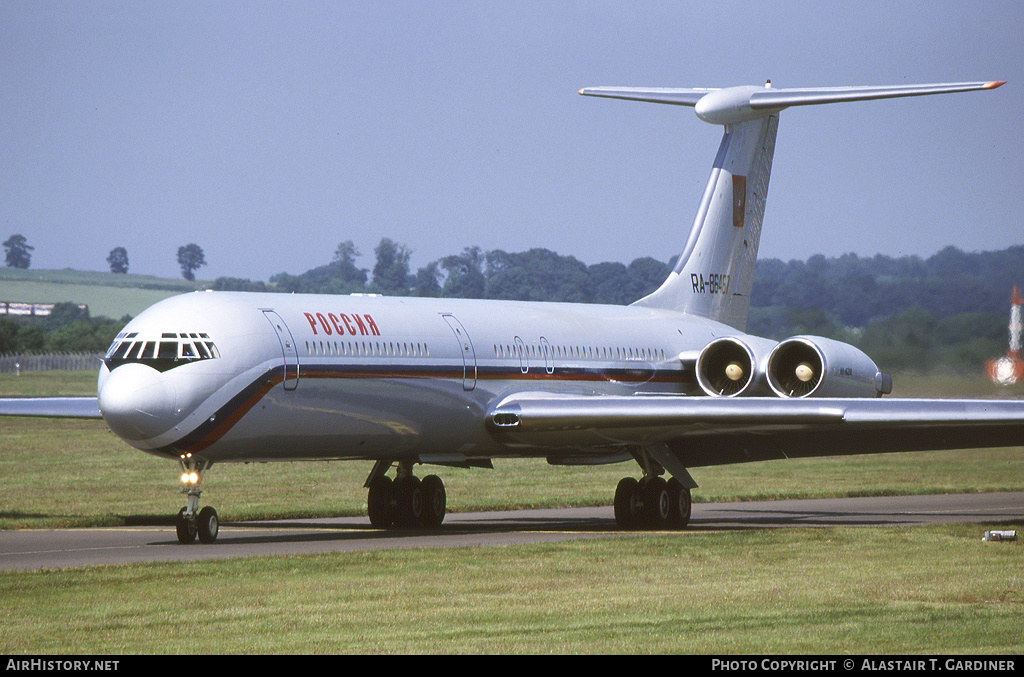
<point x="812" y="366"/>
<point x="733" y="366"/>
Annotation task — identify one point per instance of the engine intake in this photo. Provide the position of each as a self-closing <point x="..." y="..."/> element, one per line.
<point x="812" y="366"/>
<point x="730" y="366"/>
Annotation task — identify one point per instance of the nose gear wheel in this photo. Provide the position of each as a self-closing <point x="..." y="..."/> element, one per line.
<point x="191" y="522"/>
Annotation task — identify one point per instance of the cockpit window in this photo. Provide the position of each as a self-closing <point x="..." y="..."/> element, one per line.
<point x="162" y="352"/>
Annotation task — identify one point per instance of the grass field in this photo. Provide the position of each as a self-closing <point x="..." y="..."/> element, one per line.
<point x="106" y="294"/>
<point x="937" y="590"/>
<point x="934" y="590"/>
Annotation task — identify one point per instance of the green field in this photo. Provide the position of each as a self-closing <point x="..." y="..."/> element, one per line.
<point x="933" y="590"/>
<point x="937" y="590"/>
<point x="106" y="294"/>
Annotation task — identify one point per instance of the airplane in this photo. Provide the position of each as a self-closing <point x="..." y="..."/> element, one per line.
<point x="671" y="382"/>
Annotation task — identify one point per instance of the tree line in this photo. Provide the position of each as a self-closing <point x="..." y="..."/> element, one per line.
<point x="534" y="275"/>
<point x="849" y="290"/>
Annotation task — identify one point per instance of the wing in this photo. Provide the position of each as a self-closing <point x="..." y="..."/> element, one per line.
<point x="57" y="407"/>
<point x="699" y="431"/>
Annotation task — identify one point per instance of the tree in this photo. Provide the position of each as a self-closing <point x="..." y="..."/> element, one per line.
<point x="646" y="274"/>
<point x="8" y="336"/>
<point x="18" y="249"/>
<point x="348" y="274"/>
<point x="31" y="339"/>
<point x="190" y="258"/>
<point x="237" y="284"/>
<point x="610" y="283"/>
<point x="82" y="336"/>
<point x="62" y="314"/>
<point x="118" y="260"/>
<point x="391" y="272"/>
<point x="428" y="280"/>
<point x="465" y="274"/>
<point x="536" y="275"/>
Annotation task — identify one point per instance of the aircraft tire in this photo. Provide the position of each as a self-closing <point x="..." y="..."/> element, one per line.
<point x="207" y="525"/>
<point x="379" y="499"/>
<point x="657" y="508"/>
<point x="435" y="501"/>
<point x="409" y="502"/>
<point x="681" y="503"/>
<point x="185" y="528"/>
<point x="627" y="503"/>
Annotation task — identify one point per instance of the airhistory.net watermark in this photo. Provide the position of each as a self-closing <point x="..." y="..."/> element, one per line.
<point x="57" y="665"/>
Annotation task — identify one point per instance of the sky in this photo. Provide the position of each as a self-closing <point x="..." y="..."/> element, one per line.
<point x="269" y="132"/>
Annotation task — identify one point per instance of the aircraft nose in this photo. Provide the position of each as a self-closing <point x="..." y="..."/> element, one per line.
<point x="137" y="402"/>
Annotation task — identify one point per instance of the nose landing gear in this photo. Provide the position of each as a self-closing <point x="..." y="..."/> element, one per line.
<point x="191" y="521"/>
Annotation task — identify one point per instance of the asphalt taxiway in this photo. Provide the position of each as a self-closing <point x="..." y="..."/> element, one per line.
<point x="61" y="548"/>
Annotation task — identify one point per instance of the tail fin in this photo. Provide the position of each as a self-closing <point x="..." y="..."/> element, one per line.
<point x="714" y="275"/>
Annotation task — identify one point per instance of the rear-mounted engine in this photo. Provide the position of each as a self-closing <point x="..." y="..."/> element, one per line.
<point x="731" y="367"/>
<point x="812" y="366"/>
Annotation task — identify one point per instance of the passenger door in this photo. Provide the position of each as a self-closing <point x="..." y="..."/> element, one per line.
<point x="466" y="349"/>
<point x="288" y="350"/>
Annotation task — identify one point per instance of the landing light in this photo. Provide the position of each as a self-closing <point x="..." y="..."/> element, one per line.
<point x="190" y="478"/>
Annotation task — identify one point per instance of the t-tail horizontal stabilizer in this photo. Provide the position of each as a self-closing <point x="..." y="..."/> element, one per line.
<point x="737" y="104"/>
<point x="714" y="274"/>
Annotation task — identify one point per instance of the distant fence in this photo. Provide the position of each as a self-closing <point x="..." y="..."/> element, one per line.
<point x="11" y="364"/>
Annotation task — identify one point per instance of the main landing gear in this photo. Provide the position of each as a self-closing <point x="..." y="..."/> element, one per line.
<point x="406" y="501"/>
<point x="653" y="502"/>
<point x="191" y="521"/>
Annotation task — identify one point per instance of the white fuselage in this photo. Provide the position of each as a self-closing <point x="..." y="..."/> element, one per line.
<point x="258" y="377"/>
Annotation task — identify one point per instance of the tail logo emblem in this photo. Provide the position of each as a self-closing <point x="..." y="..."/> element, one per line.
<point x="739" y="200"/>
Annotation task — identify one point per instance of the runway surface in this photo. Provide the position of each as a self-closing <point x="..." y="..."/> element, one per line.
<point x="60" y="548"/>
